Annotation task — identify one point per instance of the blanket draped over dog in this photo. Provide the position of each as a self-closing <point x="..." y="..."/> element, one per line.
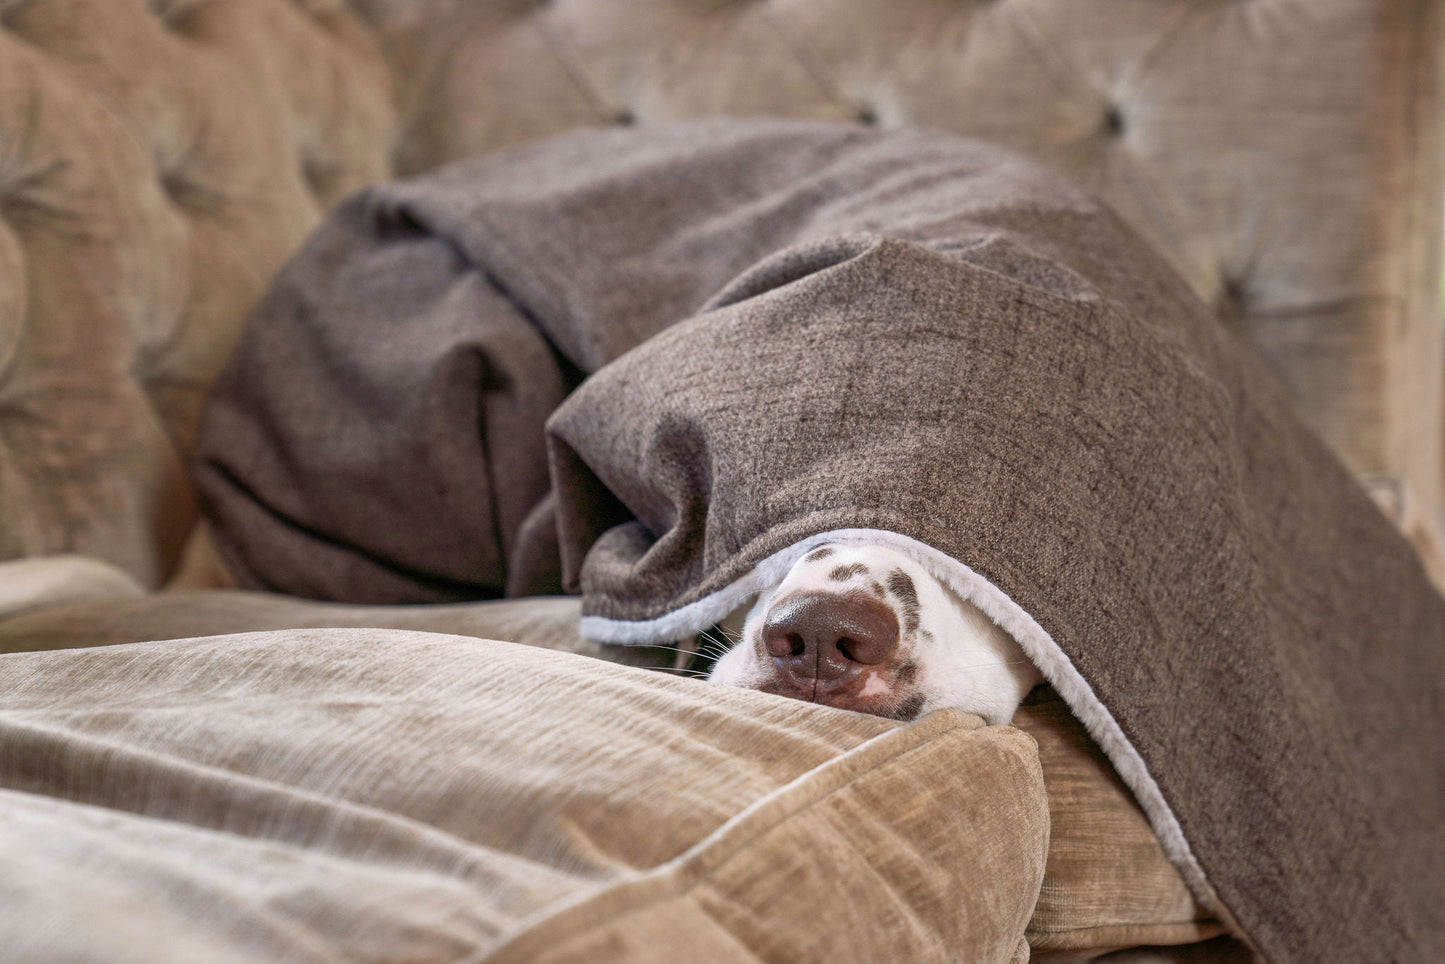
<point x="788" y="330"/>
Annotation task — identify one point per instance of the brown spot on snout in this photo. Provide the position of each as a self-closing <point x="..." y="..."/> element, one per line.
<point x="844" y="573"/>
<point x="822" y="552"/>
<point x="905" y="709"/>
<point x="901" y="585"/>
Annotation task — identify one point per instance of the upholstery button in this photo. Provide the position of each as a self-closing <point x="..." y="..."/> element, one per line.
<point x="1233" y="298"/>
<point x="867" y="115"/>
<point x="172" y="184"/>
<point x="12" y="17"/>
<point x="187" y="193"/>
<point x="25" y="192"/>
<point x="624" y="117"/>
<point x="321" y="174"/>
<point x="1113" y="121"/>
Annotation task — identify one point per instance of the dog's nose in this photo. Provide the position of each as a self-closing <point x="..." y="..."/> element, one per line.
<point x="826" y="637"/>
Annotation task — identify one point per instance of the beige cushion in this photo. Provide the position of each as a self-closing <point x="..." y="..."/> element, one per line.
<point x="547" y="621"/>
<point x="379" y="795"/>
<point x="28" y="585"/>
<point x="1107" y="883"/>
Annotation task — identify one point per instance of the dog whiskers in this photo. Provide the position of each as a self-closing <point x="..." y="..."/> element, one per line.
<point x="670" y="649"/>
<point x="1002" y="662"/>
<point x="680" y="671"/>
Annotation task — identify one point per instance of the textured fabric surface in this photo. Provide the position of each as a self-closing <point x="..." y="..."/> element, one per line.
<point x="374" y="795"/>
<point x="1286" y="157"/>
<point x="158" y="162"/>
<point x="943" y="342"/>
<point x="173" y="153"/>
<point x="28" y="585"/>
<point x="547" y="621"/>
<point x="337" y="465"/>
<point x="1107" y="882"/>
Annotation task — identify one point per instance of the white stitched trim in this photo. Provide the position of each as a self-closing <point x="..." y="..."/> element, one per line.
<point x="1036" y="643"/>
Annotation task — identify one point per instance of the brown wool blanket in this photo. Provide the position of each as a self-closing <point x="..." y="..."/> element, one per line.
<point x="654" y="365"/>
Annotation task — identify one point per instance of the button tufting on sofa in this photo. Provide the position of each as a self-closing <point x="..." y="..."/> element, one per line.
<point x="320" y="173"/>
<point x="187" y="192"/>
<point x="286" y="106"/>
<point x="152" y="179"/>
<point x="1232" y="300"/>
<point x="173" y="13"/>
<point x="11" y="11"/>
<point x="23" y="193"/>
<point x="1113" y="121"/>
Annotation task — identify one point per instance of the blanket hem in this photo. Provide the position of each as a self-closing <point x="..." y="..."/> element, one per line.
<point x="1035" y="641"/>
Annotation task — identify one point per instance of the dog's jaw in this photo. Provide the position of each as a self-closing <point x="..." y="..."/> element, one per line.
<point x="949" y="654"/>
<point x="974" y="665"/>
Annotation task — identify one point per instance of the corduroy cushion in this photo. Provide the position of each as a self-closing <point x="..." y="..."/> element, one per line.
<point x="1106" y="883"/>
<point x="374" y="795"/>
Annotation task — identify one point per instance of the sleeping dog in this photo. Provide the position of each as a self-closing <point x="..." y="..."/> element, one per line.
<point x="867" y="628"/>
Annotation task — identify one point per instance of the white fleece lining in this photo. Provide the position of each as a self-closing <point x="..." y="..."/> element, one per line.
<point x="1037" y="644"/>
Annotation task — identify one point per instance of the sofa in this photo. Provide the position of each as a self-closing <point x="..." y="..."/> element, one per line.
<point x="251" y="775"/>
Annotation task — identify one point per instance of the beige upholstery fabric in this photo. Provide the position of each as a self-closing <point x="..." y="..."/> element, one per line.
<point x="1107" y="883"/>
<point x="546" y="621"/>
<point x="159" y="159"/>
<point x="29" y="585"/>
<point x="171" y="154"/>
<point x="158" y="162"/>
<point x="372" y="795"/>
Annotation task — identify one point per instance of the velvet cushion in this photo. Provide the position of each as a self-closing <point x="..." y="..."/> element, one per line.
<point x="377" y="795"/>
<point x="1106" y="882"/>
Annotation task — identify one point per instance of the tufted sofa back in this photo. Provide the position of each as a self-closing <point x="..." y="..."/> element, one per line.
<point x="158" y="162"/>
<point x="1286" y="154"/>
<point x="159" y="159"/>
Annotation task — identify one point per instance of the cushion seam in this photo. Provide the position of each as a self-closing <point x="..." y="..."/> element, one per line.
<point x="681" y="876"/>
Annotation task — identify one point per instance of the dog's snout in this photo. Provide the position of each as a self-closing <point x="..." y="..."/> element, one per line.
<point x="828" y="636"/>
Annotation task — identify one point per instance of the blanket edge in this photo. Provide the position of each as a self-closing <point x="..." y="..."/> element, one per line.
<point x="1037" y="644"/>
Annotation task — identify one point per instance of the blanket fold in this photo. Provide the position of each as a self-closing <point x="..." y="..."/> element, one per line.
<point x="794" y="331"/>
